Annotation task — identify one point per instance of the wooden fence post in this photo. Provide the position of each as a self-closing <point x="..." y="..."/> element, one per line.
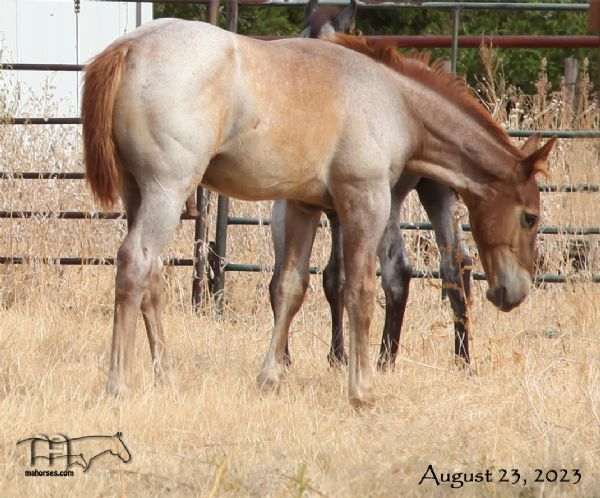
<point x="594" y="27"/>
<point x="570" y="74"/>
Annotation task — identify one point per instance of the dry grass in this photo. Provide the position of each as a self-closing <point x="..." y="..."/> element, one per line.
<point x="532" y="402"/>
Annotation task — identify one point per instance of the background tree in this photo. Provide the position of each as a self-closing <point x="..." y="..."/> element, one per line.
<point x="520" y="67"/>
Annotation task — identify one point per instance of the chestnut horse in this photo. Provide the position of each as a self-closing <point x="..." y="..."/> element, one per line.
<point x="440" y="203"/>
<point x="176" y="103"/>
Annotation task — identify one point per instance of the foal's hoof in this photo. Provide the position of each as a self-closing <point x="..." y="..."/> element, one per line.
<point x="287" y="360"/>
<point x="268" y="382"/>
<point x="163" y="377"/>
<point x="337" y="360"/>
<point x="361" y="396"/>
<point x="463" y="364"/>
<point x="115" y="389"/>
<point x="385" y="365"/>
<point x="362" y="401"/>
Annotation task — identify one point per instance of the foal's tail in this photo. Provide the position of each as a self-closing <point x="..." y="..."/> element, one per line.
<point x="101" y="83"/>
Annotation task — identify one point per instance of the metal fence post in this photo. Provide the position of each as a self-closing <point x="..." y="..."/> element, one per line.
<point x="202" y="201"/>
<point x="212" y="11"/>
<point x="220" y="246"/>
<point x="232" y="15"/>
<point x="218" y="255"/>
<point x="200" y="237"/>
<point x="455" y="21"/>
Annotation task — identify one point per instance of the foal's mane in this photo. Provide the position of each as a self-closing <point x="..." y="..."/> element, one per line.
<point x="432" y="75"/>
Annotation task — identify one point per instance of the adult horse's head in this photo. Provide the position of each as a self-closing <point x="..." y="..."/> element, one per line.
<point x="323" y="21"/>
<point x="504" y="221"/>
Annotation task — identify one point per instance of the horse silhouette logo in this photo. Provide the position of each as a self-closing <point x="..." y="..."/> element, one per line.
<point x="79" y="451"/>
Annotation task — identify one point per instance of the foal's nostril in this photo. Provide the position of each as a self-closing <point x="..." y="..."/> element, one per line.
<point x="497" y="296"/>
<point x="501" y="296"/>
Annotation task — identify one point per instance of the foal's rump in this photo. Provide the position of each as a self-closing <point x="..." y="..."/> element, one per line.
<point x="173" y="102"/>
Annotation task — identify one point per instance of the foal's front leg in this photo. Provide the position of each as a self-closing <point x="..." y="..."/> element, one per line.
<point x="300" y="227"/>
<point x="363" y="210"/>
<point x="278" y="238"/>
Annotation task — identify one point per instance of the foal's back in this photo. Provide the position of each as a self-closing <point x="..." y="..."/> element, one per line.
<point x="284" y="116"/>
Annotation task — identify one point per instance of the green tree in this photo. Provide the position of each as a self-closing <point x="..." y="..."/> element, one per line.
<point x="520" y="66"/>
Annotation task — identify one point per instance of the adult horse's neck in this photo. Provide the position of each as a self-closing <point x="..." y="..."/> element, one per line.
<point x="460" y="146"/>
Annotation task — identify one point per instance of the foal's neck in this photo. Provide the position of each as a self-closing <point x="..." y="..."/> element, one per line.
<point x="460" y="148"/>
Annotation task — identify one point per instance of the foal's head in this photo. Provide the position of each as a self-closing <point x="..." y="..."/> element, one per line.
<point x="504" y="223"/>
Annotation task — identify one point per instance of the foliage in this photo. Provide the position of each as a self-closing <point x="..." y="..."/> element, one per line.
<point x="520" y="66"/>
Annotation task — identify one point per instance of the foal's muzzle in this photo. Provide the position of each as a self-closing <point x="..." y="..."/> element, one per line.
<point x="499" y="296"/>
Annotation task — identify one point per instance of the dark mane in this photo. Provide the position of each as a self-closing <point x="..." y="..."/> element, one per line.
<point x="432" y="75"/>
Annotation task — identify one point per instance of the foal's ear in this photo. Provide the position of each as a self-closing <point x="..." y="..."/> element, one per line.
<point x="344" y="21"/>
<point x="537" y="161"/>
<point x="532" y="144"/>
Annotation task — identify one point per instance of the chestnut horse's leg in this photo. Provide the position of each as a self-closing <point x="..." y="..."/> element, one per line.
<point x="333" y="285"/>
<point x="396" y="273"/>
<point x="300" y="227"/>
<point x="333" y="280"/>
<point x="363" y="210"/>
<point x="151" y="228"/>
<point x="455" y="263"/>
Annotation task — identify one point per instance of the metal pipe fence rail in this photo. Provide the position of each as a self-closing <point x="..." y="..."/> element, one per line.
<point x="61" y="175"/>
<point x="249" y="221"/>
<point x="111" y="261"/>
<point x="218" y="249"/>
<point x="250" y="268"/>
<point x="382" y="4"/>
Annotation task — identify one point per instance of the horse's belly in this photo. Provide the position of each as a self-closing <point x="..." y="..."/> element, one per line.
<point x="262" y="178"/>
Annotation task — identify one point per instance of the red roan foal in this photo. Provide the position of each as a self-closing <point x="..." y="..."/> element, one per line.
<point x="176" y="103"/>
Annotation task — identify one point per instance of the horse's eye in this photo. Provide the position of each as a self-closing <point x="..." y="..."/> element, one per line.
<point x="528" y="220"/>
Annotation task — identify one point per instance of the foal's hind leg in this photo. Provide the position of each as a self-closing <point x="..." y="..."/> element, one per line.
<point x="300" y="227"/>
<point x="152" y="301"/>
<point x="152" y="227"/>
<point x="152" y="304"/>
<point x="455" y="263"/>
<point x="333" y="285"/>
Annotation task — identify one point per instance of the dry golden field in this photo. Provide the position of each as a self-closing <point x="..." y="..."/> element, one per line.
<point x="531" y="402"/>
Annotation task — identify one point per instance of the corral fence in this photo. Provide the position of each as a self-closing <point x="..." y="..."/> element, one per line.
<point x="215" y="258"/>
